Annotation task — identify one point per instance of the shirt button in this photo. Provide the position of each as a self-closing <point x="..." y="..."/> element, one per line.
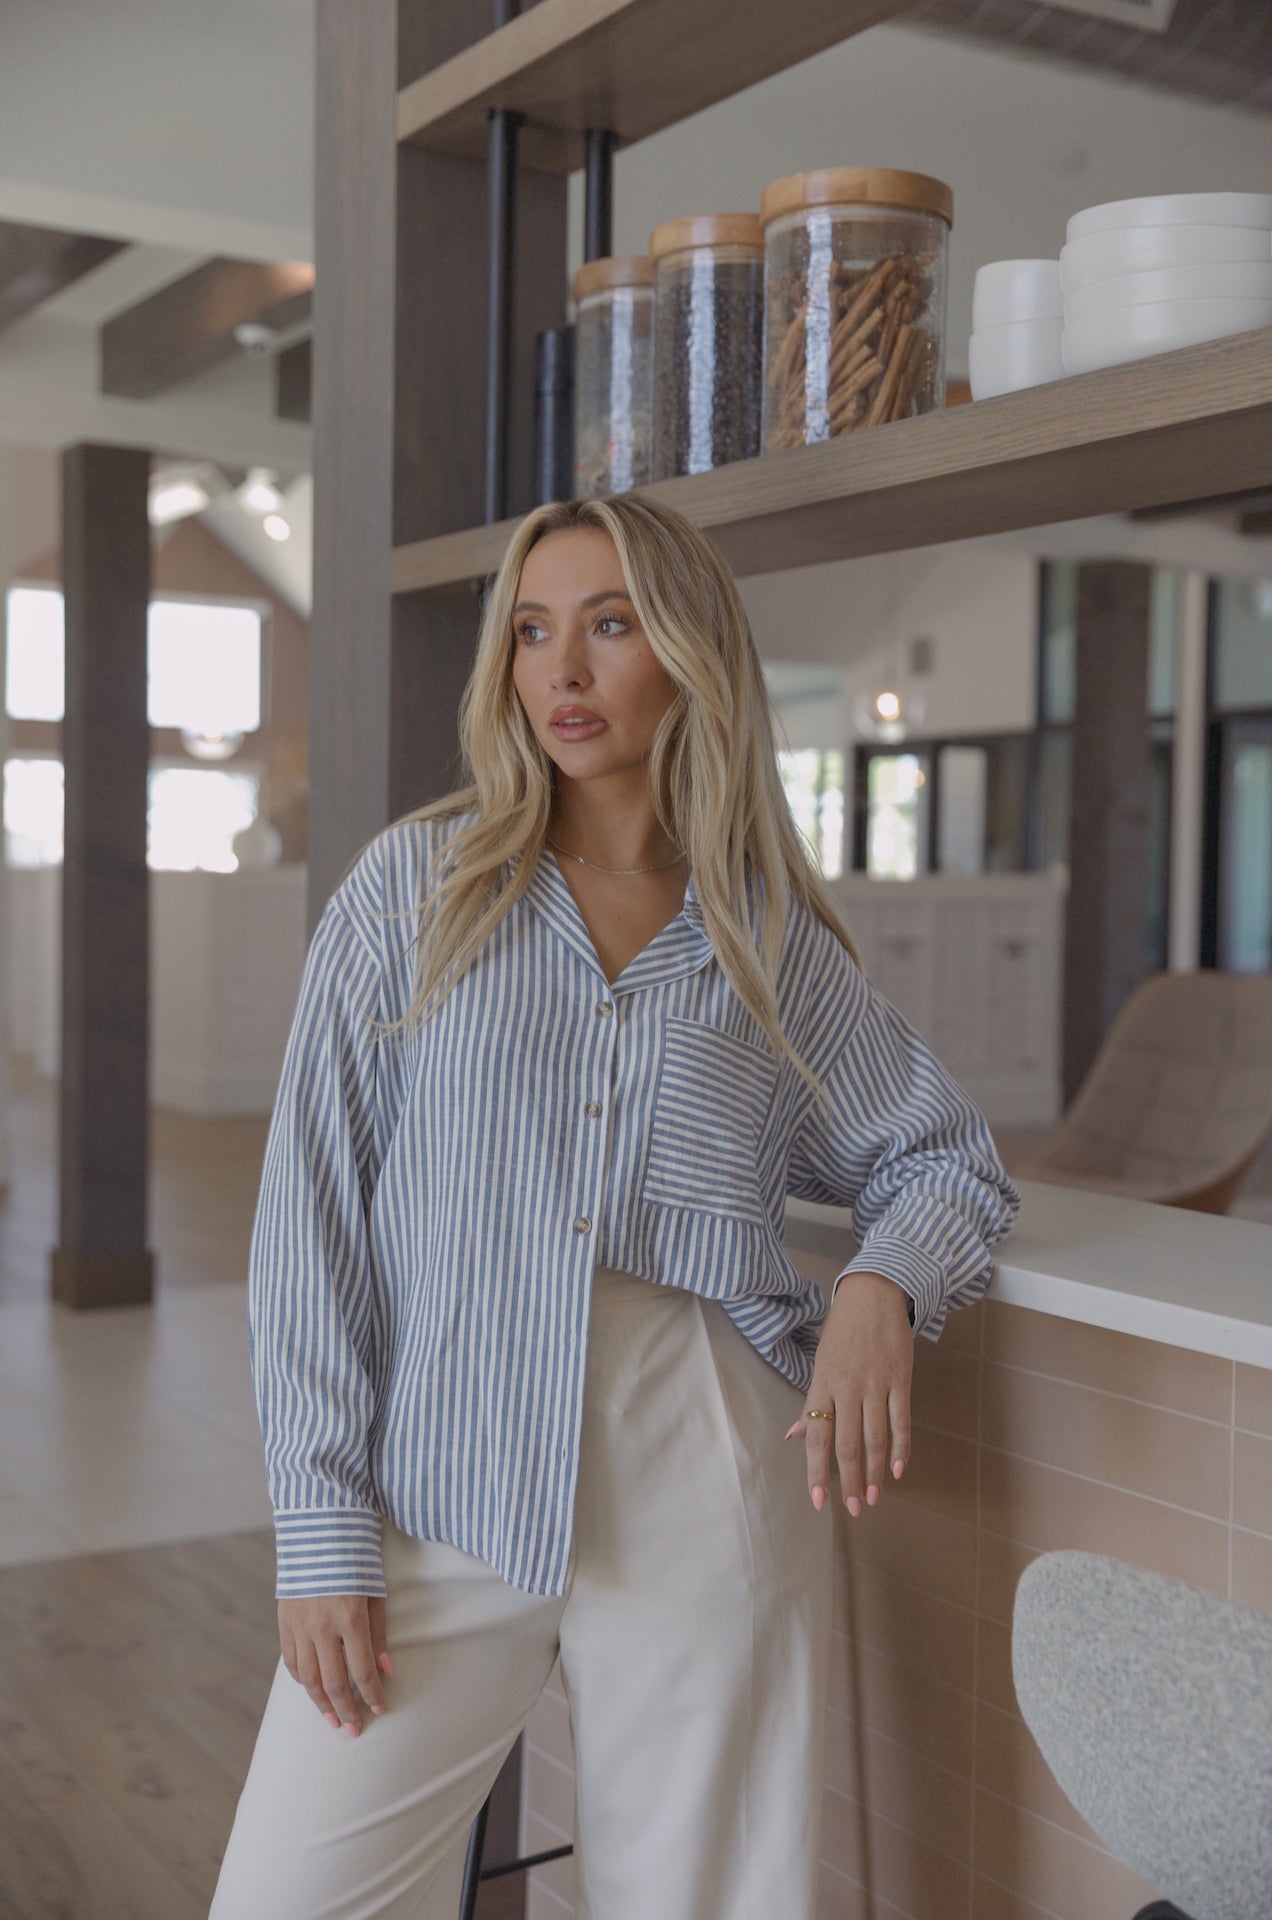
<point x="582" y="1226"/>
<point x="605" y="1009"/>
<point x="592" y="1109"/>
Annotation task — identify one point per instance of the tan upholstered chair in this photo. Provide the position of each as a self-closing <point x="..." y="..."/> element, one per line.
<point x="1178" y="1102"/>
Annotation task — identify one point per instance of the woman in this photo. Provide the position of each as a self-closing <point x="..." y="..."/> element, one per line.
<point x="526" y="1344"/>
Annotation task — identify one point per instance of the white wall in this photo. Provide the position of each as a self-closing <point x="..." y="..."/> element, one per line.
<point x="856" y="618"/>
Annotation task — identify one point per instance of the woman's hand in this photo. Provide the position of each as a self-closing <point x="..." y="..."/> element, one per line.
<point x="334" y="1646"/>
<point x="862" y="1375"/>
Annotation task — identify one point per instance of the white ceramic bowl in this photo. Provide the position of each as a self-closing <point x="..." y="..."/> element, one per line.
<point x="1175" y="210"/>
<point x="1235" y="280"/>
<point x="1010" y="290"/>
<point x="1130" y="333"/>
<point x="1019" y="353"/>
<point x="1106" y="256"/>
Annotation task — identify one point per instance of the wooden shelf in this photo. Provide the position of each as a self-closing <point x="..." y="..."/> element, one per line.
<point x="634" y="66"/>
<point x="1179" y="426"/>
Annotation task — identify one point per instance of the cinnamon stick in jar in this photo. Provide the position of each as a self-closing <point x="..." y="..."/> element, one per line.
<point x="856" y="263"/>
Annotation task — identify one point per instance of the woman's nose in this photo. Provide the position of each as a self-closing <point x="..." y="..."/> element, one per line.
<point x="568" y="666"/>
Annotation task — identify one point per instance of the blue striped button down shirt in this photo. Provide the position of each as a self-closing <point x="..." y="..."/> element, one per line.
<point x="432" y="1206"/>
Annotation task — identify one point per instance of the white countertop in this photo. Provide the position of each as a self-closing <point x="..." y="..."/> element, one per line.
<point x="1192" y="1280"/>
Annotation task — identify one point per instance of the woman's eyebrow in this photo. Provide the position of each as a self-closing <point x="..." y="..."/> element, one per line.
<point x="593" y="600"/>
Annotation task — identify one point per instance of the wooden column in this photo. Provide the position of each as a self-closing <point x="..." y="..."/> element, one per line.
<point x="398" y="406"/>
<point x="101" y="1258"/>
<point x="1108" y="844"/>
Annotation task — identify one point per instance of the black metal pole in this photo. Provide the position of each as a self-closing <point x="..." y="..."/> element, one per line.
<point x="598" y="217"/>
<point x="500" y="231"/>
<point x="501" y="217"/>
<point x="472" y="1866"/>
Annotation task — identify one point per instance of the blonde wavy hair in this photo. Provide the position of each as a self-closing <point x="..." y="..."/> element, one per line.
<point x="713" y="772"/>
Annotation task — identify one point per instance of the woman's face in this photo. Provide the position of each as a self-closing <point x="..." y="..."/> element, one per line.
<point x="578" y="648"/>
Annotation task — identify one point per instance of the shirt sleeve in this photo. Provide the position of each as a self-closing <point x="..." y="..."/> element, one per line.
<point x="912" y="1155"/>
<point x="310" y="1314"/>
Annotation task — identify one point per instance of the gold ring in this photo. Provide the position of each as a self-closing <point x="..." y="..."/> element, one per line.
<point x="815" y="1413"/>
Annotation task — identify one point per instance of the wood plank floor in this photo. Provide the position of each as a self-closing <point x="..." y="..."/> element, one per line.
<point x="131" y="1687"/>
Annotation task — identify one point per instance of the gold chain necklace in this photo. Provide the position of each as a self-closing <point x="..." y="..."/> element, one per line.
<point x="599" y="869"/>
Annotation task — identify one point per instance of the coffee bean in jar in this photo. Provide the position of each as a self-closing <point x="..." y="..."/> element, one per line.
<point x="613" y="375"/>
<point x="854" y="314"/>
<point x="708" y="341"/>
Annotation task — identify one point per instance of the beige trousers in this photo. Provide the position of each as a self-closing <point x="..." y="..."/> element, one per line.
<point x="693" y="1650"/>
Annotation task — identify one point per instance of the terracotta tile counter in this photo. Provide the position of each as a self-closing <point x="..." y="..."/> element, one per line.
<point x="1112" y="1392"/>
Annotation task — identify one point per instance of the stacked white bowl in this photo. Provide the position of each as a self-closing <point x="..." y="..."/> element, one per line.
<point x="1146" y="276"/>
<point x="1017" y="320"/>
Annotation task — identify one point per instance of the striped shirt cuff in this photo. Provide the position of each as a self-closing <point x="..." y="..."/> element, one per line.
<point x="914" y="1271"/>
<point x="328" y="1550"/>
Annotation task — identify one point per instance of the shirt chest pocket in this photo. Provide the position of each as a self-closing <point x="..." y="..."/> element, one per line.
<point x="714" y="1091"/>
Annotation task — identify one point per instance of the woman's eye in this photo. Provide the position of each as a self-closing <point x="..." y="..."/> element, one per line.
<point x="612" y="620"/>
<point x="527" y="631"/>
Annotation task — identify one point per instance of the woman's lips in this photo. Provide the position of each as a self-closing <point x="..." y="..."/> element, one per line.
<point x="576" y="729"/>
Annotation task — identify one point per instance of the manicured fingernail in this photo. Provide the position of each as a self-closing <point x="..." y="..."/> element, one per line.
<point x="333" y="1720"/>
<point x="790" y="1430"/>
<point x="819" y="1498"/>
<point x="853" y="1505"/>
<point x="872" y="1494"/>
<point x="898" y="1468"/>
<point x="352" y="1729"/>
<point x="385" y="1665"/>
<point x="377" y="1709"/>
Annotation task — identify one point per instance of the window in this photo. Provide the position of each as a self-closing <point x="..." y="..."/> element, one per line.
<point x="1242" y="646"/>
<point x="205" y="667"/>
<point x="193" y="814"/>
<point x="1237" y="892"/>
<point x="897" y="814"/>
<point x="963" y="774"/>
<point x="814" y="783"/>
<point x="33" y="812"/>
<point x="34" y="686"/>
<point x="1057" y="678"/>
<point x="204" y="662"/>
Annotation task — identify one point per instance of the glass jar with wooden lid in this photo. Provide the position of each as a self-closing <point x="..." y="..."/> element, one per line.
<point x="854" y="307"/>
<point x="708" y="341"/>
<point x="613" y="375"/>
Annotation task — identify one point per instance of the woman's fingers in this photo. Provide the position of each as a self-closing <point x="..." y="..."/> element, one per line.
<point x="861" y="1375"/>
<point x="899" y="1416"/>
<point x="377" y="1616"/>
<point x="817" y="1440"/>
<point x="360" y="1658"/>
<point x="874" y="1429"/>
<point x="333" y="1645"/>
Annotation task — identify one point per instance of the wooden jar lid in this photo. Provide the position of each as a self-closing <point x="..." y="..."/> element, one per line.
<point x="707" y="230"/>
<point x="857" y="186"/>
<point x="619" y="270"/>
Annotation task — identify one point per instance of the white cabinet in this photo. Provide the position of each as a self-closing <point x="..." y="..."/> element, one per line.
<point x="975" y="964"/>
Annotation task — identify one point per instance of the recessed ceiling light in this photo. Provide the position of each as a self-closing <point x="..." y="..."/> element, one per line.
<point x="258" y="493"/>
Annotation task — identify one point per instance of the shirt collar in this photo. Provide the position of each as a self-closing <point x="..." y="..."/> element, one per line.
<point x="681" y="947"/>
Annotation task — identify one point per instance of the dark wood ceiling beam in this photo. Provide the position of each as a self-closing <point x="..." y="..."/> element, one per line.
<point x="293" y="381"/>
<point x="37" y="262"/>
<point x="1221" y="505"/>
<point x="189" y="325"/>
